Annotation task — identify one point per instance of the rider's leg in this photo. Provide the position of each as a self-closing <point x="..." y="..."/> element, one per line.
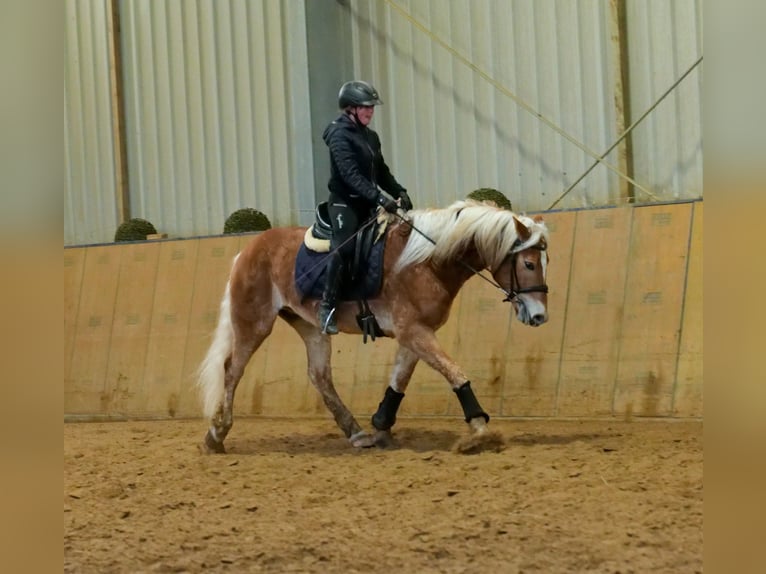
<point x="344" y="222"/>
<point x="326" y="315"/>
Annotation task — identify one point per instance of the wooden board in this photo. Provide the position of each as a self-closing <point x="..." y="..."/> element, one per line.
<point x="171" y="310"/>
<point x="624" y="337"/>
<point x="74" y="264"/>
<point x="687" y="398"/>
<point x="594" y="312"/>
<point x="651" y="322"/>
<point x="124" y="389"/>
<point x="214" y="259"/>
<point x="84" y="387"/>
<point x="533" y="354"/>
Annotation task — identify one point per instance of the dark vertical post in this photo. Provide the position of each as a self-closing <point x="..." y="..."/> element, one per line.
<point x="118" y="111"/>
<point x="623" y="113"/>
<point x="330" y="62"/>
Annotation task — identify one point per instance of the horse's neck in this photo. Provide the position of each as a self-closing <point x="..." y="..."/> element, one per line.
<point x="456" y="271"/>
<point x="452" y="273"/>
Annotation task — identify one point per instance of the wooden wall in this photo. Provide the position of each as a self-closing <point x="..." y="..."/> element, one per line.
<point x="624" y="336"/>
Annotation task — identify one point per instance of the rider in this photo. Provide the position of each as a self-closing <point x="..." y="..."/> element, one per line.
<point x="357" y="168"/>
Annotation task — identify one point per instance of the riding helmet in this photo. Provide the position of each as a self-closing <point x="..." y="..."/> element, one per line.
<point x="358" y="93"/>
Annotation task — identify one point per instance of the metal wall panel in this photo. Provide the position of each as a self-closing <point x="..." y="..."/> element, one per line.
<point x="217" y="113"/>
<point x="219" y="103"/>
<point x="664" y="40"/>
<point x="90" y="206"/>
<point x="447" y="130"/>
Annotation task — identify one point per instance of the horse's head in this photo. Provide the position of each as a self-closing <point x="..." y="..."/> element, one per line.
<point x="522" y="273"/>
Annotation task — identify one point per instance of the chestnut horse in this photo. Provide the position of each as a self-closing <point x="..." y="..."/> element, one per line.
<point x="429" y="254"/>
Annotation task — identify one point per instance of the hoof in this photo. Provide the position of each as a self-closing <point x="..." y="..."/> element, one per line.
<point x="211" y="446"/>
<point x="481" y="439"/>
<point x="478" y="426"/>
<point x="362" y="440"/>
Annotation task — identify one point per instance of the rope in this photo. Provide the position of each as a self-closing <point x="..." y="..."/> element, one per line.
<point x="627" y="131"/>
<point x="524" y="105"/>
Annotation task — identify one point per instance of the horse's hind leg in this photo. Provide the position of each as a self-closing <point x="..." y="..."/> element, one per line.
<point x="248" y="336"/>
<point x="318" y="353"/>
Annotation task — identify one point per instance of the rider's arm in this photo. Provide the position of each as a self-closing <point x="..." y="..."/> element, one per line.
<point x="342" y="153"/>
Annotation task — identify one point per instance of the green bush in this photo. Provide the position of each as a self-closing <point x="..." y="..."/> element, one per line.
<point x="135" y="229"/>
<point x="246" y="219"/>
<point x="493" y="195"/>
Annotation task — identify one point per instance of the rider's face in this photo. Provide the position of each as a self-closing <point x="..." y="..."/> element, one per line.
<point x="364" y="113"/>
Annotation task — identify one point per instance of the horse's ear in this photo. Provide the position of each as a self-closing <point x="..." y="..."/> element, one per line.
<point x="538" y="218"/>
<point x="521" y="230"/>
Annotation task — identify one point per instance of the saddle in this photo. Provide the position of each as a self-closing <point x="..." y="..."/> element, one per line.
<point x="363" y="275"/>
<point x="318" y="235"/>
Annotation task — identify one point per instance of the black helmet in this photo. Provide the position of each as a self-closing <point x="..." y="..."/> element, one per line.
<point x="358" y="93"/>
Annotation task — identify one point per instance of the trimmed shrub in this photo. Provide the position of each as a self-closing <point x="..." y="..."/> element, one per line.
<point x="135" y="229"/>
<point x="487" y="194"/>
<point x="246" y="219"/>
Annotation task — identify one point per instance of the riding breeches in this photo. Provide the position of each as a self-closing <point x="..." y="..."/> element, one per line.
<point x="345" y="220"/>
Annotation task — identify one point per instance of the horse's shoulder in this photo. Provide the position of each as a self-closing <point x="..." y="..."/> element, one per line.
<point x="287" y="231"/>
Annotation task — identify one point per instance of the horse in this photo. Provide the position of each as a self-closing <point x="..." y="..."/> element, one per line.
<point x="428" y="256"/>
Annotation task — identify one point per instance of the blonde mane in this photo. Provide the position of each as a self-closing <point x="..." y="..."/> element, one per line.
<point x="489" y="228"/>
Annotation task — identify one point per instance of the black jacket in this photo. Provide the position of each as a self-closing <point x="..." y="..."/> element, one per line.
<point x="357" y="166"/>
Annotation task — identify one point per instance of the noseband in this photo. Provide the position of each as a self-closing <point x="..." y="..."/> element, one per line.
<point x="516" y="290"/>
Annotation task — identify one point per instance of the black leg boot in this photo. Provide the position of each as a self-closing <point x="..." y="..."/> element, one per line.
<point x="326" y="314"/>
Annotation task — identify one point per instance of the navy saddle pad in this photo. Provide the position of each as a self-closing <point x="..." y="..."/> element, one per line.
<point x="310" y="274"/>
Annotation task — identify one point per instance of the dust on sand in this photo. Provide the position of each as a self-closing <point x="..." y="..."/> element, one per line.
<point x="293" y="496"/>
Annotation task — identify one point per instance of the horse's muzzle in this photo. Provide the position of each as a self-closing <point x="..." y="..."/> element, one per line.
<point x="525" y="316"/>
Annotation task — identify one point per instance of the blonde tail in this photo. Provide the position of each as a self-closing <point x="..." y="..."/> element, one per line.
<point x="211" y="370"/>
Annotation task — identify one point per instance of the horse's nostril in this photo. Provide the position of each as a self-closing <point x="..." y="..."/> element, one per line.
<point x="538" y="319"/>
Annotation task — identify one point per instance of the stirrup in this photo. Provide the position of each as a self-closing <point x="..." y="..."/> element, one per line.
<point x="330" y="327"/>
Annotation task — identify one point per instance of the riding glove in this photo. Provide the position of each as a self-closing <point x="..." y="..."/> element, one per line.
<point x="387" y="203"/>
<point x="406" y="202"/>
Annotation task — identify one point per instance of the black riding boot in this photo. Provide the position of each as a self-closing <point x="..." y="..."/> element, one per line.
<point x="326" y="314"/>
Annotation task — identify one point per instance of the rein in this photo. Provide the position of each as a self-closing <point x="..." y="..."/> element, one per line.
<point x="509" y="295"/>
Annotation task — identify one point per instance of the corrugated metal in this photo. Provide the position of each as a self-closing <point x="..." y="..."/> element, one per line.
<point x="216" y="112"/>
<point x="665" y="39"/>
<point x="446" y="130"/>
<point x="218" y="103"/>
<point x="90" y="207"/>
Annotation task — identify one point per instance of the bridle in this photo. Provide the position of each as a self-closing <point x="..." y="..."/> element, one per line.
<point x="517" y="290"/>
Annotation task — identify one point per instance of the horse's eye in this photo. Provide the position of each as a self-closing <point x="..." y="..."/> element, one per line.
<point x="529" y="265"/>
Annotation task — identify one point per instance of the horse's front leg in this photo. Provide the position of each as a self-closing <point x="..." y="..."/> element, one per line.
<point x="385" y="417"/>
<point x="422" y="341"/>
